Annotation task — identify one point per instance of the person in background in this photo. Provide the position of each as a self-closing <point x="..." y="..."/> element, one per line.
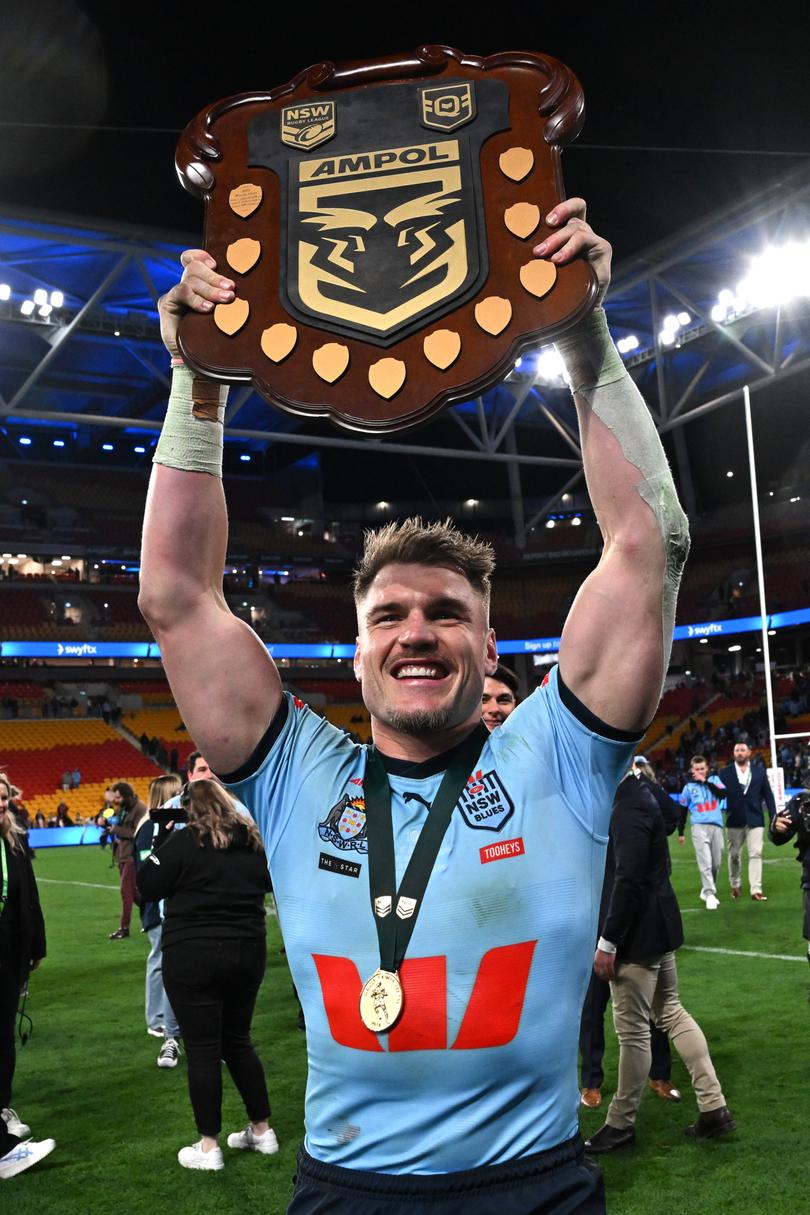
<point x="703" y="801"/>
<point x="63" y="818"/>
<point x="499" y="698"/>
<point x="747" y="788"/>
<point x="213" y="877"/>
<point x="160" y="1020"/>
<point x="131" y="813"/>
<point x="22" y="948"/>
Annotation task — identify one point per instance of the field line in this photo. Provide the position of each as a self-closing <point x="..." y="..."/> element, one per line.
<point x="65" y="882"/>
<point x="746" y="953"/>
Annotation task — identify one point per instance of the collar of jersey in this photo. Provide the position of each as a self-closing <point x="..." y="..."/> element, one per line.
<point x="419" y="770"/>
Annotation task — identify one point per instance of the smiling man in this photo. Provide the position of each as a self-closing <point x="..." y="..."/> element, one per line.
<point x="499" y="698"/>
<point x="439" y="890"/>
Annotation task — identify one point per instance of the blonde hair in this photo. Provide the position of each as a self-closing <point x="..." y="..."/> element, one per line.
<point x="413" y="542"/>
<point x="10" y="829"/>
<point x="213" y="816"/>
<point x="162" y="789"/>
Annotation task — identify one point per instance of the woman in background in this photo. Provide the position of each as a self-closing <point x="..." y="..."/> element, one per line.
<point x="22" y="948"/>
<point x="213" y="876"/>
<point x="160" y="1020"/>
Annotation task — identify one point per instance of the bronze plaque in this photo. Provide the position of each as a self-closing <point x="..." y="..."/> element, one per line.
<point x="378" y="220"/>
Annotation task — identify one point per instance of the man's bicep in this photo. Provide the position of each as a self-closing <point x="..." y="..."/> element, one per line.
<point x="611" y="651"/>
<point x="224" y="682"/>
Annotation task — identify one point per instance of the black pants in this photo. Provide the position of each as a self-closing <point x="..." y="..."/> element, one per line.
<point x="212" y="987"/>
<point x="558" y="1182"/>
<point x="9" y="1000"/>
<point x="592" y="1039"/>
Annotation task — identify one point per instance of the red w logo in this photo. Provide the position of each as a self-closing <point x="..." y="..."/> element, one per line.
<point x="491" y="1019"/>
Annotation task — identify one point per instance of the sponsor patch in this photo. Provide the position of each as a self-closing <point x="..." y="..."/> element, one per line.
<point x="501" y="850"/>
<point x="485" y="803"/>
<point x="339" y="864"/>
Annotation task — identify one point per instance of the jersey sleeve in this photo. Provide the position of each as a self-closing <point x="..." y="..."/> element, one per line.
<point x="298" y="748"/>
<point x="587" y="757"/>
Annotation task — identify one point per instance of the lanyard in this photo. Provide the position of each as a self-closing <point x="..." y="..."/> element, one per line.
<point x="394" y="931"/>
<point x="4" y="859"/>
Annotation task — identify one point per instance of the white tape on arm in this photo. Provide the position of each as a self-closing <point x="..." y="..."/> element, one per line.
<point x="192" y="434"/>
<point x="598" y="376"/>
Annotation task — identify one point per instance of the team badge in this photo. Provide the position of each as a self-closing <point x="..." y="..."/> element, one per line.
<point x="345" y="825"/>
<point x="446" y="107"/>
<point x="485" y="803"/>
<point x="307" y="126"/>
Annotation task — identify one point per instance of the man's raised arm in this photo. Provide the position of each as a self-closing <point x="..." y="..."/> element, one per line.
<point x="223" y="680"/>
<point x="616" y="641"/>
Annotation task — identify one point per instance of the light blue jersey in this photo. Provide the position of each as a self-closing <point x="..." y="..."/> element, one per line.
<point x="703" y="805"/>
<point x="481" y="1069"/>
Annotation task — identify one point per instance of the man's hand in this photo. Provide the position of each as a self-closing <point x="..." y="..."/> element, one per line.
<point x="199" y="290"/>
<point x="604" y="965"/>
<point x="573" y="237"/>
<point x="782" y="823"/>
<point x="682" y="840"/>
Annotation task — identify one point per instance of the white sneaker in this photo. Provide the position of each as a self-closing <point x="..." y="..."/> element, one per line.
<point x="712" y="902"/>
<point x="267" y="1143"/>
<point x="169" y="1054"/>
<point x="23" y="1156"/>
<point x="193" y="1157"/>
<point x="155" y="1031"/>
<point x="703" y="895"/>
<point x="15" y="1125"/>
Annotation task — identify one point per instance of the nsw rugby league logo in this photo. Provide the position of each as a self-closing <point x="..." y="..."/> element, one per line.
<point x="345" y="825"/>
<point x="383" y="229"/>
<point x="485" y="803"/>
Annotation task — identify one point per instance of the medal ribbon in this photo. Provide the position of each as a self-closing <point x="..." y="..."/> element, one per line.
<point x="393" y="932"/>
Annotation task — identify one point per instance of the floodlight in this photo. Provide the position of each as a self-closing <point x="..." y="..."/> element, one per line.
<point x="471" y="502"/>
<point x="139" y="450"/>
<point x="732" y="649"/>
<point x="107" y="447"/>
<point x="576" y="521"/>
<point x="549" y="522"/>
<point x="667" y="336"/>
<point x="683" y="318"/>
<point x="46" y="310"/>
<point x="244" y="458"/>
<point x="59" y="442"/>
<point x="27" y="307"/>
<point x="57" y="299"/>
<point x="550" y="366"/>
<point x="40" y="296"/>
<point x="5" y="291"/>
<point x="25" y="442"/>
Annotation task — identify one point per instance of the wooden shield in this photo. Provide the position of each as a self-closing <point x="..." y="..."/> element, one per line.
<point x="378" y="220"/>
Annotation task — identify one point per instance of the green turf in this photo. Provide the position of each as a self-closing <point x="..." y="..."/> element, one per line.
<point x="88" y="1076"/>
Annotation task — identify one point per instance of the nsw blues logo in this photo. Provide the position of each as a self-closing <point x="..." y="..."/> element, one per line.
<point x="485" y="804"/>
<point x="345" y="824"/>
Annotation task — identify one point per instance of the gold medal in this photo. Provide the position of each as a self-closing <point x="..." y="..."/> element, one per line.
<point x="381" y="1001"/>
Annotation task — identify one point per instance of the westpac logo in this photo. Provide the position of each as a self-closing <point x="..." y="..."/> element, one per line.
<point x="491" y="1018"/>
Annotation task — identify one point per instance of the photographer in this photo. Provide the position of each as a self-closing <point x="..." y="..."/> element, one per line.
<point x="794" y="820"/>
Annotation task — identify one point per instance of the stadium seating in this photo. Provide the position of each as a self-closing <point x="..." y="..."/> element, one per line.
<point x="35" y="754"/>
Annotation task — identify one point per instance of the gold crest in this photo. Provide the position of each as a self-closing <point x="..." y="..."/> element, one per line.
<point x="446" y="107"/>
<point x="307" y="125"/>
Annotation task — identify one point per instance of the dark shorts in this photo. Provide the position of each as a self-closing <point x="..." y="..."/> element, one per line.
<point x="806" y="924"/>
<point x="557" y="1182"/>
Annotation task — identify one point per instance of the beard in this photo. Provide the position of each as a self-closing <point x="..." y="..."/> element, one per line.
<point x="420" y="721"/>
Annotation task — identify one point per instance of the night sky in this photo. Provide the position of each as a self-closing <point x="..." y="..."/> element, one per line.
<point x="93" y="96"/>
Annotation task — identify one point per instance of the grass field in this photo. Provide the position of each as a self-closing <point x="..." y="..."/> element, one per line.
<point x="88" y="1077"/>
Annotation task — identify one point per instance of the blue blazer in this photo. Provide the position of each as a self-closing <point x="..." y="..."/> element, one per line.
<point x="744" y="807"/>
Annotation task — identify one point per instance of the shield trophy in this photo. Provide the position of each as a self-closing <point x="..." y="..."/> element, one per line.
<point x="378" y="220"/>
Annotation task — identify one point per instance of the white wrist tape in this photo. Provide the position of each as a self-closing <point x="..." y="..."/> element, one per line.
<point x="600" y="378"/>
<point x="192" y="434"/>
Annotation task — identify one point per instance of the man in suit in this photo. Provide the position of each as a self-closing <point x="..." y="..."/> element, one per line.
<point x="641" y="930"/>
<point x="747" y="787"/>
